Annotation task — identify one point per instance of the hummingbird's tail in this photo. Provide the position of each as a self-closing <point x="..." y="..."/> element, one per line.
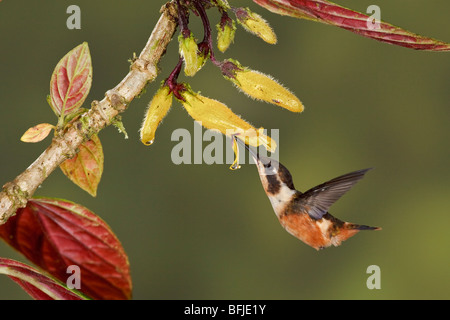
<point x="348" y="230"/>
<point x="353" y="226"/>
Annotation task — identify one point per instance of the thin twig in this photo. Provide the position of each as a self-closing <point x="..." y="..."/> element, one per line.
<point x="144" y="69"/>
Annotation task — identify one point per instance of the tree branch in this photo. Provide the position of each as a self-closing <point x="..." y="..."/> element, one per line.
<point x="65" y="145"/>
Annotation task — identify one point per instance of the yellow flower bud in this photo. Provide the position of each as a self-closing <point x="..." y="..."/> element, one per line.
<point x="225" y="34"/>
<point x="214" y="115"/>
<point x="254" y="23"/>
<point x="157" y="110"/>
<point x="189" y="51"/>
<point x="260" y="86"/>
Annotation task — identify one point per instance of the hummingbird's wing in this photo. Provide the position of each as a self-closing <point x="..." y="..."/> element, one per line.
<point x="317" y="200"/>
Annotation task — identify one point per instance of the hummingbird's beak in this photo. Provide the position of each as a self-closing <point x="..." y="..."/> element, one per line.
<point x="266" y="166"/>
<point x="253" y="154"/>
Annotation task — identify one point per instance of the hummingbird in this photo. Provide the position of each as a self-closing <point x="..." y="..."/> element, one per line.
<point x="305" y="215"/>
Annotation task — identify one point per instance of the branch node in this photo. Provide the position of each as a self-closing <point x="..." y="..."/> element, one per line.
<point x="18" y="197"/>
<point x="96" y="108"/>
<point x="140" y="65"/>
<point x="69" y="152"/>
<point x="117" y="102"/>
<point x="171" y="10"/>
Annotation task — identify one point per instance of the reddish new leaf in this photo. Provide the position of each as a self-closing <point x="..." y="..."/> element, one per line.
<point x="37" y="133"/>
<point x="54" y="234"/>
<point x="333" y="14"/>
<point x="86" y="167"/>
<point x="71" y="81"/>
<point x="36" y="284"/>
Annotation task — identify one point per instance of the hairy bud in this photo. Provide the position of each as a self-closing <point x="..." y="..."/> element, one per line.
<point x="255" y="24"/>
<point x="226" y="30"/>
<point x="214" y="115"/>
<point x="260" y="86"/>
<point x="189" y="51"/>
<point x="157" y="110"/>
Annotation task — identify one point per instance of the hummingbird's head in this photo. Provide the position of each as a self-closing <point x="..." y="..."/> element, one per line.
<point x="276" y="181"/>
<point x="274" y="176"/>
<point x="266" y="166"/>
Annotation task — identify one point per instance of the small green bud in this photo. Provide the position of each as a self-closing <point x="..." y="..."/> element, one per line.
<point x="189" y="51"/>
<point x="226" y="30"/>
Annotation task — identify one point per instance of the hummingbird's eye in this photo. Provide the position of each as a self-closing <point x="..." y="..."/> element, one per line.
<point x="268" y="165"/>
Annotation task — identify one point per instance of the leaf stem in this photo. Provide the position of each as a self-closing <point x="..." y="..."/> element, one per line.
<point x="173" y="77"/>
<point x="207" y="39"/>
<point x="183" y="20"/>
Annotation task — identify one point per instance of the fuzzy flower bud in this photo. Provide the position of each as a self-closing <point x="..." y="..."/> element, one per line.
<point x="189" y="51"/>
<point x="214" y="115"/>
<point x="255" y="24"/>
<point x="157" y="110"/>
<point x="226" y="30"/>
<point x="260" y="86"/>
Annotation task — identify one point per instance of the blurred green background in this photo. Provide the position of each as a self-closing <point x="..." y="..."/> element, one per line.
<point x="206" y="232"/>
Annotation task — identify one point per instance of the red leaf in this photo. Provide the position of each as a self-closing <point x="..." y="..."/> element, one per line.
<point x="71" y="81"/>
<point x="86" y="168"/>
<point x="333" y="14"/>
<point x="54" y="234"/>
<point x="36" y="284"/>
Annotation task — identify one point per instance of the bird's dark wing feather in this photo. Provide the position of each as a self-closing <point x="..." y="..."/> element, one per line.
<point x="318" y="200"/>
